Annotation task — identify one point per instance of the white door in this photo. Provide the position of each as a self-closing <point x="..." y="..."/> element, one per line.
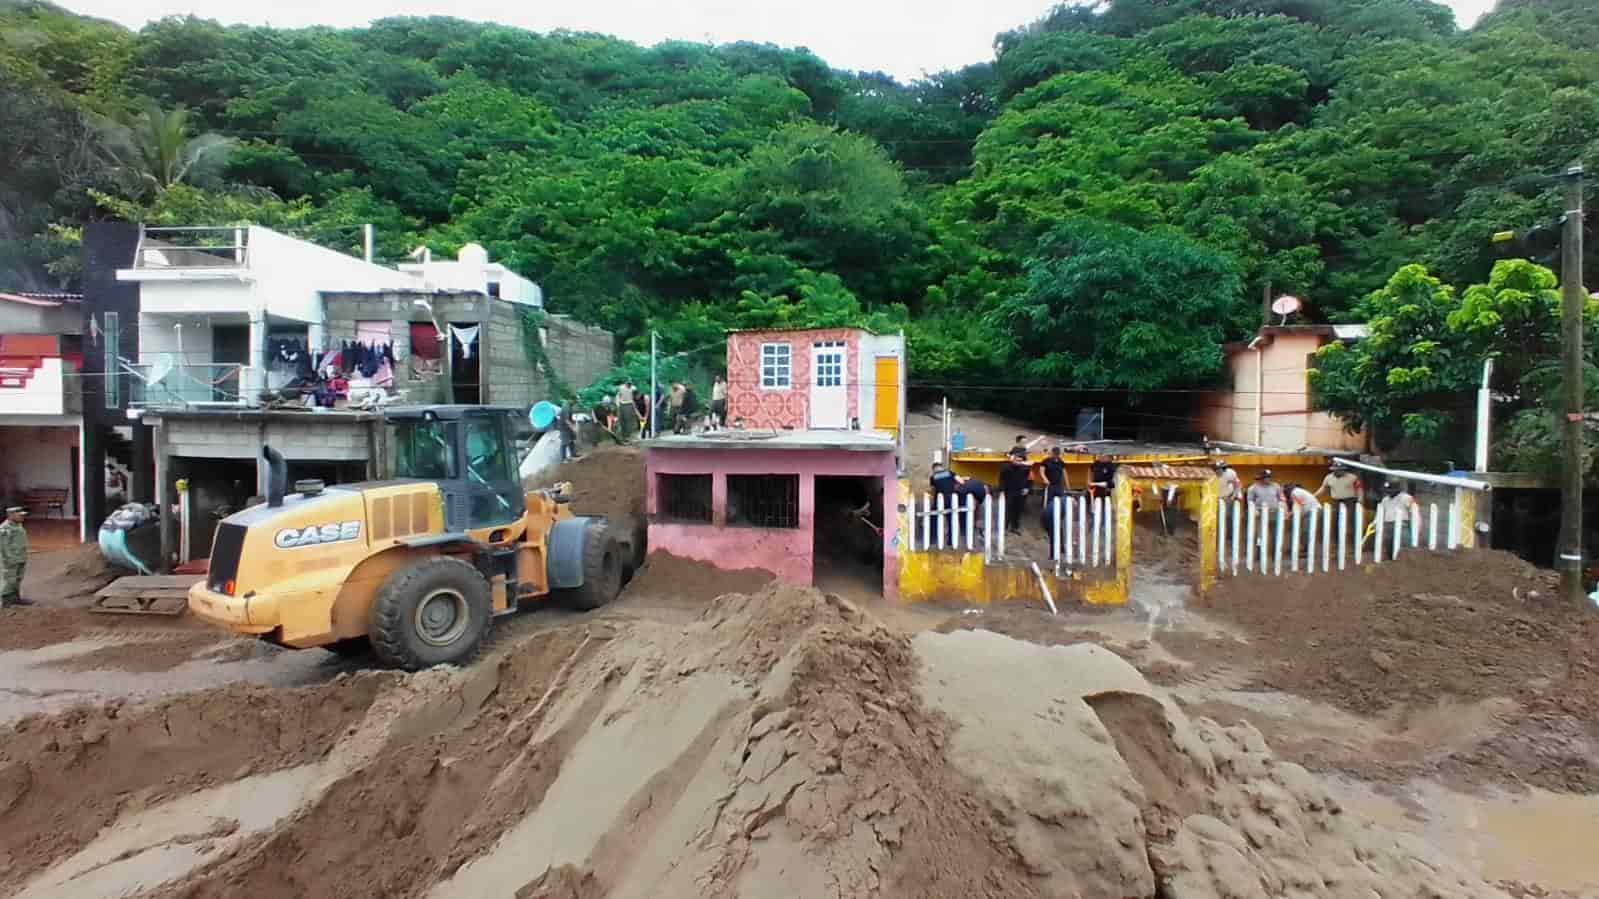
<point x="829" y="390"/>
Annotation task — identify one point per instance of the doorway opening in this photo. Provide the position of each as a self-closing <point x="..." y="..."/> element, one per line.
<point x="848" y="535"/>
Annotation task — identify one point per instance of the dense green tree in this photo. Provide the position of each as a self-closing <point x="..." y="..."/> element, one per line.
<point x="1110" y="307"/>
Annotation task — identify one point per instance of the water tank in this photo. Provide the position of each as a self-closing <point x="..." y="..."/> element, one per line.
<point x="473" y="254"/>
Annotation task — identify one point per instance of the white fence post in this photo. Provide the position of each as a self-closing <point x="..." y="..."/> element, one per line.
<point x="1454" y="526"/>
<point x="1277" y="546"/>
<point x="1221" y="537"/>
<point x="1236" y="512"/>
<point x="927" y="521"/>
<point x="1066" y="539"/>
<point x="1310" y="539"/>
<point x="940" y="520"/>
<point x="1109" y="527"/>
<point x="1293" y="551"/>
<point x="1249" y="541"/>
<point x="1376" y="527"/>
<point x="1360" y="531"/>
<point x="1399" y="532"/>
<point x="988" y="528"/>
<point x="1054" y="532"/>
<point x="1004" y="524"/>
<point x="1093" y="506"/>
<point x="1084" y="525"/>
<point x="1415" y="526"/>
<point x="1432" y="526"/>
<point x="971" y="522"/>
<point x="1326" y="538"/>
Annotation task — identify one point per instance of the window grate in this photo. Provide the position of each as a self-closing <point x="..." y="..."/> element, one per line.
<point x="684" y="497"/>
<point x="763" y="500"/>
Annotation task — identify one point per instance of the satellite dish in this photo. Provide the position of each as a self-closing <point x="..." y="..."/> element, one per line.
<point x="1285" y="306"/>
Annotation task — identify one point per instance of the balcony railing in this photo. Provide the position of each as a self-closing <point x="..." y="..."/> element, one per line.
<point x="192" y="248"/>
<point x="161" y="383"/>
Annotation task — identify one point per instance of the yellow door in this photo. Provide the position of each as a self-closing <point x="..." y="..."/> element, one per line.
<point x="886" y="404"/>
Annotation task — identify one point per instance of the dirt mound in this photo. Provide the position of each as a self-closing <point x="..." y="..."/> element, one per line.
<point x="68" y="576"/>
<point x="1460" y="626"/>
<point x="667" y="576"/>
<point x="154" y="651"/>
<point x="779" y="743"/>
<point x="607" y="481"/>
<point x="64" y="777"/>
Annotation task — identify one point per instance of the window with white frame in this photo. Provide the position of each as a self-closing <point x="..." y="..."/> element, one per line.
<point x="830" y="363"/>
<point x="777" y="366"/>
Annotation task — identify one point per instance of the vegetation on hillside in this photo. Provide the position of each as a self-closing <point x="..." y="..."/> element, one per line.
<point x="1095" y="209"/>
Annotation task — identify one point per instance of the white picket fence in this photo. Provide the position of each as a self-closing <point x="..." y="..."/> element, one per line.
<point x="1084" y="533"/>
<point x="1328" y="535"/>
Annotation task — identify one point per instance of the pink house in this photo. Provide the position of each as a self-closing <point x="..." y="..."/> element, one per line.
<point x="831" y="378"/>
<point x="808" y="506"/>
<point x="1269" y="403"/>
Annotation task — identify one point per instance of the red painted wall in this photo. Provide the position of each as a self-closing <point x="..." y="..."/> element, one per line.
<point x="776" y="409"/>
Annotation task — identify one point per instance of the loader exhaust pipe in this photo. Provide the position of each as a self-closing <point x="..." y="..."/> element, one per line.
<point x="277" y="476"/>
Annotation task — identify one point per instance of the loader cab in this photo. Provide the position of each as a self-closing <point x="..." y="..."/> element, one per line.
<point x="469" y="451"/>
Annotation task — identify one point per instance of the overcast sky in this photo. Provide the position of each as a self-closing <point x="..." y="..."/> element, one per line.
<point x="905" y="38"/>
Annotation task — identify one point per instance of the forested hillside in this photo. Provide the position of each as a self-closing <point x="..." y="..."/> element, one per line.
<point x="1101" y="206"/>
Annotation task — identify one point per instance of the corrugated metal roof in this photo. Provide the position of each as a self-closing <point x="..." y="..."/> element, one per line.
<point x="1167" y="472"/>
<point x="47" y="300"/>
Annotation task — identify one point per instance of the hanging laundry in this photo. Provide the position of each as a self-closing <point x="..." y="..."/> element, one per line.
<point x="424" y="341"/>
<point x="466" y="337"/>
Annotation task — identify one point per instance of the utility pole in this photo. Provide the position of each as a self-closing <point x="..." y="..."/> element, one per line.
<point x="1573" y="299"/>
<point x="653" y="386"/>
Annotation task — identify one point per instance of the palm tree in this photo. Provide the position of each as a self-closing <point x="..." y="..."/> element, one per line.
<point x="159" y="148"/>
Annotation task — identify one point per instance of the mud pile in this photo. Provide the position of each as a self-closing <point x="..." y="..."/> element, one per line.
<point x="782" y="743"/>
<point x="608" y="481"/>
<point x="1463" y="627"/>
<point x="68" y="576"/>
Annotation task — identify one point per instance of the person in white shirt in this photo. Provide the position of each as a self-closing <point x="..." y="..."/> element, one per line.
<point x="1397" y="503"/>
<point x="1302" y="500"/>
<point x="1228" y="486"/>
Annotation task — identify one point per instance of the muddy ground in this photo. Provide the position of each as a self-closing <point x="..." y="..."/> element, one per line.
<point x="710" y="734"/>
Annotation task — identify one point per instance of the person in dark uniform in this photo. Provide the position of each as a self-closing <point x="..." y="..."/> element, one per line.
<point x="1101" y="476"/>
<point x="1015" y="480"/>
<point x="945" y="484"/>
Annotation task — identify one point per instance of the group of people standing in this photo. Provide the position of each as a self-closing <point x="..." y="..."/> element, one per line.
<point x="1016" y="480"/>
<point x="678" y="406"/>
<point x="1342" y="486"/>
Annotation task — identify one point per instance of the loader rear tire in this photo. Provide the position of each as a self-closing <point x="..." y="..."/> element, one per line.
<point x="602" y="571"/>
<point x="435" y="612"/>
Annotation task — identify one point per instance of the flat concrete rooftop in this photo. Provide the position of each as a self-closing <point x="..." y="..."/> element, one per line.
<point x="848" y="441"/>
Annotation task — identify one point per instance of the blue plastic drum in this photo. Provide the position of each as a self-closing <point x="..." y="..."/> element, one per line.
<point x="543" y="414"/>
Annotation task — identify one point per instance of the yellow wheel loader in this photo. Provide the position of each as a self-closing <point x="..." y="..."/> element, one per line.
<point x="416" y="566"/>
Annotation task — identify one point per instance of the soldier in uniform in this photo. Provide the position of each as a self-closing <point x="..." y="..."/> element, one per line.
<point x="13" y="557"/>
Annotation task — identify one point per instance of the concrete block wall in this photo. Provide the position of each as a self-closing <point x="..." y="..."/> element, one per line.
<point x="319" y="438"/>
<point x="580" y="353"/>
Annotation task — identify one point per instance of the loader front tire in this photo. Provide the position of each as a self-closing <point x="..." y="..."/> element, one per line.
<point x="435" y="612"/>
<point x="602" y="571"/>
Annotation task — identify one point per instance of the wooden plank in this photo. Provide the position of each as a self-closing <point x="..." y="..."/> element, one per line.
<point x="160" y="586"/>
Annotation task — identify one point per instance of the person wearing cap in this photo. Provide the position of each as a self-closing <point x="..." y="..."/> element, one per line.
<point x="1228" y="485"/>
<point x="1397" y="505"/>
<point x="1264" y="492"/>
<point x="1015" y="480"/>
<point x="1342" y="486"/>
<point x="944" y="482"/>
<point x="13" y="557"/>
